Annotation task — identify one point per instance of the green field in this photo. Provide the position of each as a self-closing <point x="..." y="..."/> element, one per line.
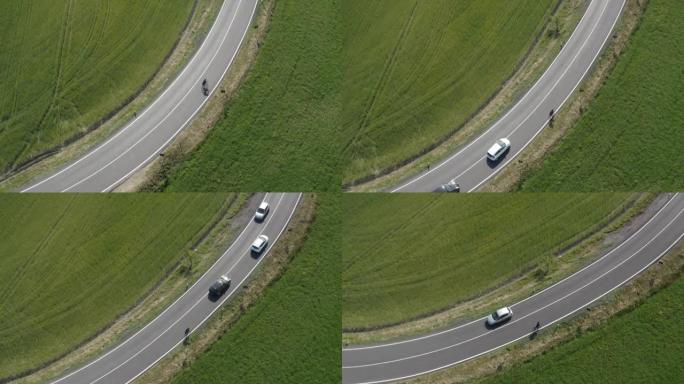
<point x="280" y="131"/>
<point x="415" y="70"/>
<point x="292" y="334"/>
<point x="64" y="65"/>
<point x="409" y="255"/>
<point x="629" y="140"/>
<point x="645" y="345"/>
<point x="72" y="263"/>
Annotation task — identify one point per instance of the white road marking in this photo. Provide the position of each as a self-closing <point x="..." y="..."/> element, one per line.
<point x="201" y="300"/>
<point x="518" y="319"/>
<point x="559" y="108"/>
<point x="549" y="323"/>
<point x="137" y="118"/>
<point x="220" y="259"/>
<point x="217" y="307"/>
<point x="527" y="95"/>
<point x="525" y="299"/>
<point x="195" y="58"/>
<point x="178" y="104"/>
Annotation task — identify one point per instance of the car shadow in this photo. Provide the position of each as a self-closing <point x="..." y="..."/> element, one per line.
<point x="493" y="164"/>
<point x="495" y="326"/>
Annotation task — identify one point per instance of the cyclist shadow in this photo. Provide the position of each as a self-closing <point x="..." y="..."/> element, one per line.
<point x="534" y="334"/>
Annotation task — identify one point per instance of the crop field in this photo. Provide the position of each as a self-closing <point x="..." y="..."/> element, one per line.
<point x="280" y="130"/>
<point x="416" y="70"/>
<point x="645" y="345"/>
<point x="628" y="140"/>
<point x="72" y="263"/>
<point x="292" y="334"/>
<point x="64" y="65"/>
<point x="409" y="255"/>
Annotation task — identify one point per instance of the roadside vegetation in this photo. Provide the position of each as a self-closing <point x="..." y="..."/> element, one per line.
<point x="416" y="71"/>
<point x="292" y="333"/>
<point x="66" y="66"/>
<point x="641" y="345"/>
<point x="71" y="264"/>
<point x="409" y="256"/>
<point x="280" y="130"/>
<point x="628" y="138"/>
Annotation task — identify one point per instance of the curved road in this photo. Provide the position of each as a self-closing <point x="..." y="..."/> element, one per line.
<point x="412" y="357"/>
<point x="138" y="353"/>
<point x="530" y="115"/>
<point x="112" y="162"/>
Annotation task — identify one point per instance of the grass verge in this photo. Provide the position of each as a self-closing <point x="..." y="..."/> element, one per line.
<point x="153" y="177"/>
<point x="279" y="131"/>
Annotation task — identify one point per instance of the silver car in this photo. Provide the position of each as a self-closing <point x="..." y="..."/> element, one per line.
<point x="498" y="149"/>
<point x="259" y="244"/>
<point x="451" y="186"/>
<point x="262" y="211"/>
<point x="501" y="315"/>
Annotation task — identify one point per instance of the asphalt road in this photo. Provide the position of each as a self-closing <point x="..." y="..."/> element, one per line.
<point x="134" y="356"/>
<point x="522" y="123"/>
<point x="412" y="357"/>
<point x="136" y="144"/>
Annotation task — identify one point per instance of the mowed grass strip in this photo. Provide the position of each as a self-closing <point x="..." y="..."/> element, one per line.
<point x="417" y="70"/>
<point x="629" y="140"/>
<point x="280" y="131"/>
<point x="292" y="334"/>
<point x="406" y="256"/>
<point x="645" y="345"/>
<point x="64" y="65"/>
<point x="70" y="264"/>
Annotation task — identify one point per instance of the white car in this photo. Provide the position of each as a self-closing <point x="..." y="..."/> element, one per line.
<point x="499" y="316"/>
<point x="262" y="211"/>
<point x="498" y="149"/>
<point x="259" y="244"/>
<point x="451" y="186"/>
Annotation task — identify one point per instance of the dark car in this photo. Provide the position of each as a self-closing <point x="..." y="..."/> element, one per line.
<point x="220" y="286"/>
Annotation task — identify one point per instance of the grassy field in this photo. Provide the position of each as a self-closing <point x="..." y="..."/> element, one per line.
<point x="409" y="255"/>
<point x="72" y="263"/>
<point x="645" y="345"/>
<point x="416" y="70"/>
<point x="280" y="131"/>
<point x="629" y="138"/>
<point x="292" y="334"/>
<point x="64" y="65"/>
